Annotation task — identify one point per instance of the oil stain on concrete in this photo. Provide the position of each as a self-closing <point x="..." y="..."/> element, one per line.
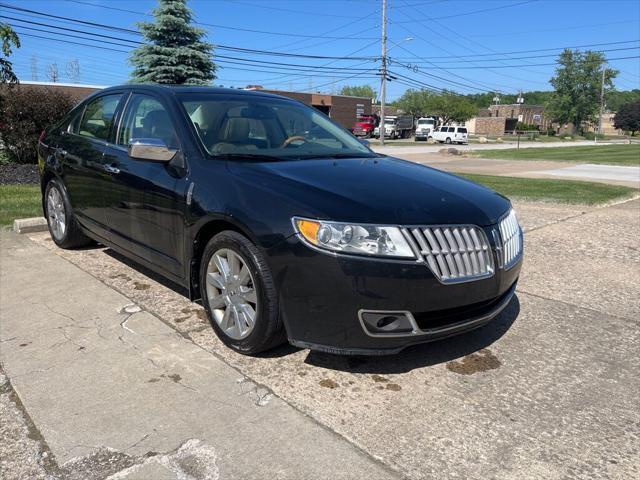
<point x="481" y="361"/>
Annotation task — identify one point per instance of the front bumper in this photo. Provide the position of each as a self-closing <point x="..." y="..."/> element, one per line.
<point x="322" y="297"/>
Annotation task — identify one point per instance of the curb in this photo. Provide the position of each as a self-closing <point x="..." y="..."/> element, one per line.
<point x="30" y="225"/>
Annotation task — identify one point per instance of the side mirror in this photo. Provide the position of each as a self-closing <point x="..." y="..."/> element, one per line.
<point x="364" y="142"/>
<point x="152" y="149"/>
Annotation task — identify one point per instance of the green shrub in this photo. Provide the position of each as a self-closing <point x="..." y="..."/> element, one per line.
<point x="24" y="113"/>
<point x="551" y="132"/>
<point x="526" y="126"/>
<point x="591" y="136"/>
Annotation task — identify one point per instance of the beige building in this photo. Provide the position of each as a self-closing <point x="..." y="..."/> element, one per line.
<point x="500" y="119"/>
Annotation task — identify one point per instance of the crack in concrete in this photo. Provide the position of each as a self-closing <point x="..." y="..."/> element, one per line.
<point x="582" y="307"/>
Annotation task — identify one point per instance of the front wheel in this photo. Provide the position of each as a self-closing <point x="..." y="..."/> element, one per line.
<point x="239" y="294"/>
<point x="63" y="227"/>
<point x="448" y="141"/>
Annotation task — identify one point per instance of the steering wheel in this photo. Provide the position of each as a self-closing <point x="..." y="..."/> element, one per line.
<point x="295" y="138"/>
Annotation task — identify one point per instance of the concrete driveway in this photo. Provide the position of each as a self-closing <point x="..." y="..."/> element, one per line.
<point x="612" y="174"/>
<point x="547" y="390"/>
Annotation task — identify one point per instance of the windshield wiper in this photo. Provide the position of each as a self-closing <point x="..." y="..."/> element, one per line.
<point x="338" y="155"/>
<point x="247" y="156"/>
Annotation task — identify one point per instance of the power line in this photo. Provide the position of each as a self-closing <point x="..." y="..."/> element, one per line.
<point x="534" y="64"/>
<point x="476" y="11"/>
<point x="73" y="43"/>
<point x="217" y="46"/>
<point x="575" y="47"/>
<point x="526" y="58"/>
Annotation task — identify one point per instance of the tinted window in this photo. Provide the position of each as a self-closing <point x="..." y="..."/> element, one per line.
<point x="462" y="130"/>
<point x="260" y="125"/>
<point x="97" y="119"/>
<point x="146" y="117"/>
<point x="452" y="129"/>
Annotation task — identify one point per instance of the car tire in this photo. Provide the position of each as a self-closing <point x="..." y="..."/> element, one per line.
<point x="429" y="138"/>
<point x="230" y="304"/>
<point x="61" y="221"/>
<point x="448" y="141"/>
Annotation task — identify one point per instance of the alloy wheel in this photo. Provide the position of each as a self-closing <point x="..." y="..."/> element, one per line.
<point x="231" y="293"/>
<point x="56" y="213"/>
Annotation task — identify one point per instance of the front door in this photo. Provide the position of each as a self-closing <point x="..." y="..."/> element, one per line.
<point x="145" y="209"/>
<point x="81" y="149"/>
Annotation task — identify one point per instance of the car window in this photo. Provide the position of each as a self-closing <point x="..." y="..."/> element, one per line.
<point x="259" y="125"/>
<point x="146" y="117"/>
<point x="452" y="129"/>
<point x="462" y="130"/>
<point x="97" y="119"/>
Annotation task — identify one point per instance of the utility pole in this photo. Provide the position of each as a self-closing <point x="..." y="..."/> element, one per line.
<point x="383" y="71"/>
<point x="601" y="101"/>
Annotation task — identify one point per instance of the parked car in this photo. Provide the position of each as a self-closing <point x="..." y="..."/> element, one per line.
<point x="396" y="126"/>
<point x="364" y="126"/>
<point x="278" y="220"/>
<point x="424" y="127"/>
<point x="446" y="134"/>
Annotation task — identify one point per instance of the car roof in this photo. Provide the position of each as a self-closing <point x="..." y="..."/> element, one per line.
<point x="173" y="89"/>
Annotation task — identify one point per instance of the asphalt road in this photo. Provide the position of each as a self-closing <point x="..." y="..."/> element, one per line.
<point x="547" y="390"/>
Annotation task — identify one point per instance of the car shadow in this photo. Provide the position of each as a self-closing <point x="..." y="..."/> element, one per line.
<point x="148" y="272"/>
<point x="424" y="355"/>
<point x="417" y="356"/>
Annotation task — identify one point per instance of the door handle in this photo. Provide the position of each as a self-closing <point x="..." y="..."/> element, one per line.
<point x="111" y="169"/>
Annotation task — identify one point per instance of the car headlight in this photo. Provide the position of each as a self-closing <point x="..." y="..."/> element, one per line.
<point x="382" y="241"/>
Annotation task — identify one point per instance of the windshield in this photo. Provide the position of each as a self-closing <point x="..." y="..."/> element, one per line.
<point x="389" y="121"/>
<point x="425" y="122"/>
<point x="244" y="126"/>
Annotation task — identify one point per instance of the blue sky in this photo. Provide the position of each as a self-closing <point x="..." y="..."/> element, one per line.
<point x="464" y="45"/>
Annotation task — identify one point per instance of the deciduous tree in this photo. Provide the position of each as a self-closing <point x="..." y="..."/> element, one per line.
<point x="174" y="51"/>
<point x="8" y="39"/>
<point x="628" y="117"/>
<point x="359" y="91"/>
<point x="578" y="84"/>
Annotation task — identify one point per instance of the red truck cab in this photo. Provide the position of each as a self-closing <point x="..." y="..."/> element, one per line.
<point x="364" y="126"/>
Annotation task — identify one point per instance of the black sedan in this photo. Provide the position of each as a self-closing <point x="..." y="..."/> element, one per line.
<point x="278" y="220"/>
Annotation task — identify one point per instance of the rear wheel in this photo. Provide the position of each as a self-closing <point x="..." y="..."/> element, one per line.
<point x="239" y="294"/>
<point x="448" y="141"/>
<point x="63" y="227"/>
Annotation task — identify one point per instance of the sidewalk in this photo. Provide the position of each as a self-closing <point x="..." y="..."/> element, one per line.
<point x="611" y="174"/>
<point x="114" y="390"/>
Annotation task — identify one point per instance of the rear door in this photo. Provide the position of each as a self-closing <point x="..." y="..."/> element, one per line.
<point x="146" y="199"/>
<point x="81" y="153"/>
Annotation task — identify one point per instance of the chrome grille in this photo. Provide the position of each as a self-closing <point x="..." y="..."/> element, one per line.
<point x="511" y="240"/>
<point x="453" y="253"/>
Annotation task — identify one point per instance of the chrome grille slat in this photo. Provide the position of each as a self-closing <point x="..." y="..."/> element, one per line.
<point x="453" y="253"/>
<point x="511" y="240"/>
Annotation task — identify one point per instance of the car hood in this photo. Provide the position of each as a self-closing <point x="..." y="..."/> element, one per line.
<point x="381" y="190"/>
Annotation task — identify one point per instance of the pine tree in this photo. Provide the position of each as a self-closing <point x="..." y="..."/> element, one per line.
<point x="173" y="52"/>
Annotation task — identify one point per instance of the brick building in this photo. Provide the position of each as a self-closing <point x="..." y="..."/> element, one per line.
<point x="500" y="119"/>
<point x="342" y="109"/>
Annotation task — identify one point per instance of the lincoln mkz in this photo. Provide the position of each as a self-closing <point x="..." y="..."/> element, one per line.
<point x="283" y="224"/>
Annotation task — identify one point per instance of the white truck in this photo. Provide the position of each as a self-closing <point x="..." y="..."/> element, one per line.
<point x="424" y="128"/>
<point x="396" y="126"/>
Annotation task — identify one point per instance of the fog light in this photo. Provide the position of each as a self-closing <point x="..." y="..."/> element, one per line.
<point x="387" y="323"/>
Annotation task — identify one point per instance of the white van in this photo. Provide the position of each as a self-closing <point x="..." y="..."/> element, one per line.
<point x="446" y="134"/>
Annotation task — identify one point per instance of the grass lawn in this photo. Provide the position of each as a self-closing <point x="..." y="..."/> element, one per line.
<point x="623" y="155"/>
<point x="19" y="201"/>
<point x="558" y="191"/>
